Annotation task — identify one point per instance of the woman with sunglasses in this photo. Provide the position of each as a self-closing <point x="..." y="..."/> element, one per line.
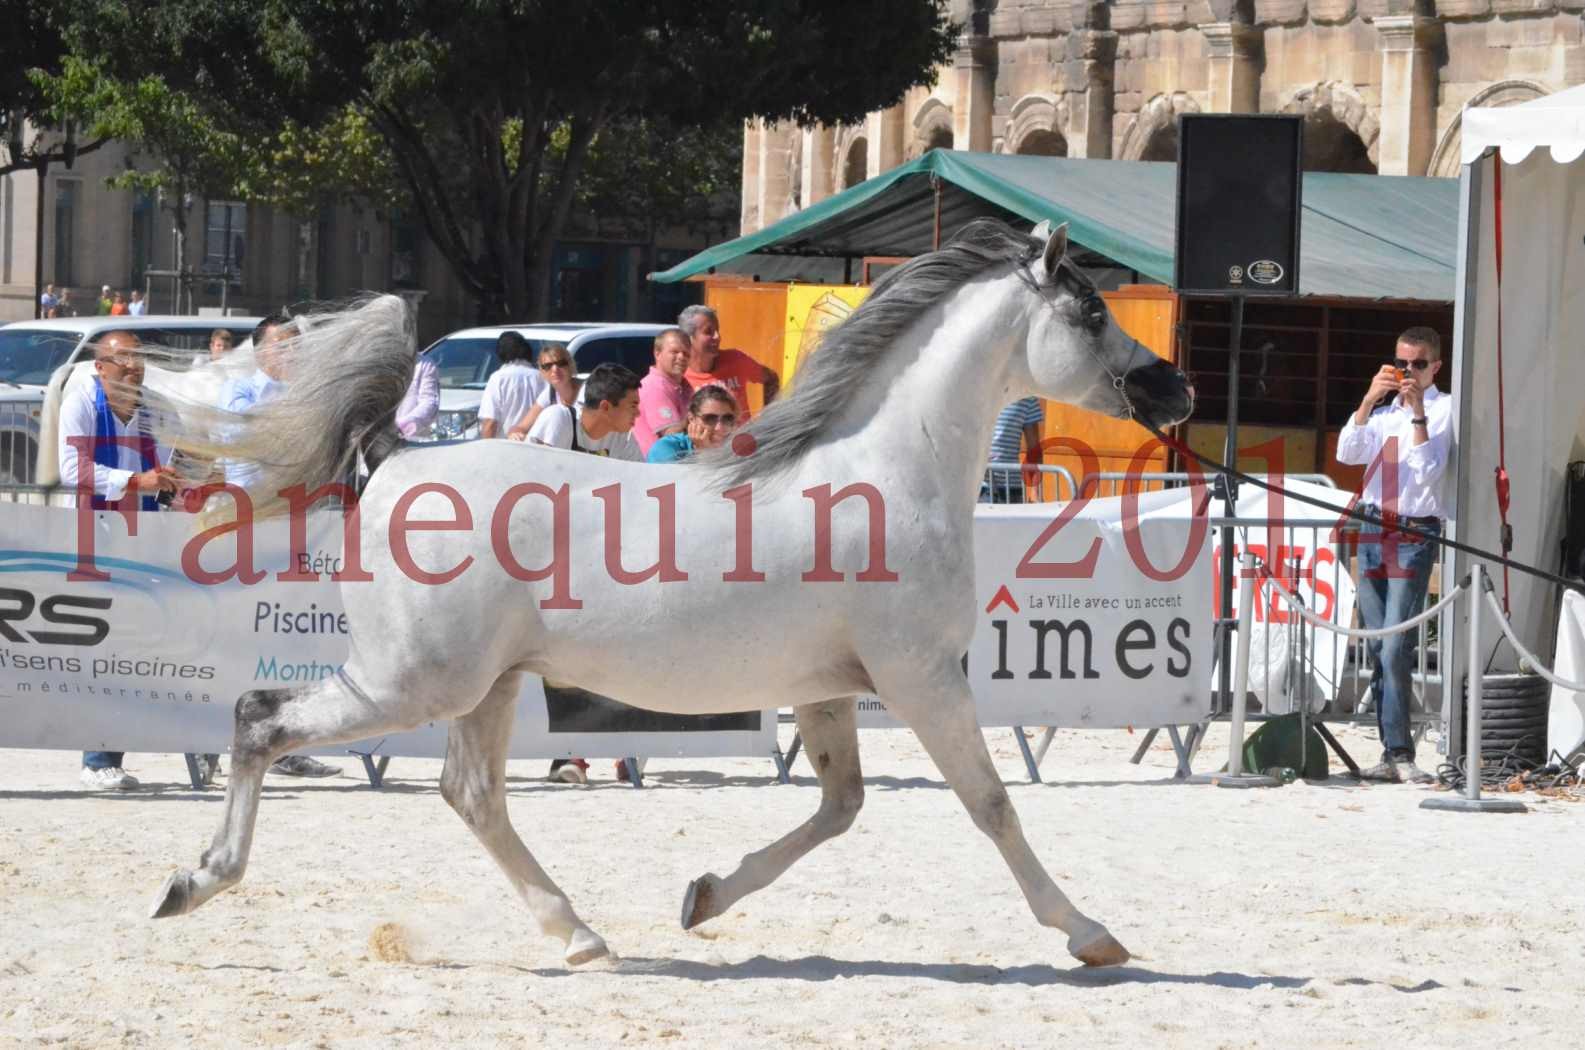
<point x="556" y="365"/>
<point x="712" y="416"/>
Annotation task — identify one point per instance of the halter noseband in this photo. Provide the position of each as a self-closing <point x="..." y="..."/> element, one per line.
<point x="1119" y="382"/>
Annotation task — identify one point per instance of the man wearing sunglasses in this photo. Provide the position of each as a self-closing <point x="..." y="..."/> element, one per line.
<point x="1403" y="428"/>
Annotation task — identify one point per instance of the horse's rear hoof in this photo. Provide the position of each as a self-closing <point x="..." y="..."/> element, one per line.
<point x="585" y="947"/>
<point x="1101" y="950"/>
<point x="176" y="897"/>
<point x="699" y="903"/>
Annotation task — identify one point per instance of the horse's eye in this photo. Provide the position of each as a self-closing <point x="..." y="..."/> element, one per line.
<point x="1094" y="313"/>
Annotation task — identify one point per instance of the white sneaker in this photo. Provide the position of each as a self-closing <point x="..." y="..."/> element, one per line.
<point x="113" y="779"/>
<point x="572" y="773"/>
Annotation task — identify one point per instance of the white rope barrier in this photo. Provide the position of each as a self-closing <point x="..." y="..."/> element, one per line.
<point x="1534" y="660"/>
<point x="1297" y="605"/>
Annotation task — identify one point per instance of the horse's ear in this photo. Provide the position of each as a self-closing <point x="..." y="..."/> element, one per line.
<point x="1056" y="249"/>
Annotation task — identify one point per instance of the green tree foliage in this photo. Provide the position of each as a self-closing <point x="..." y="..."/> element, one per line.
<point x="644" y="175"/>
<point x="498" y="117"/>
<point x="32" y="48"/>
<point x="194" y="149"/>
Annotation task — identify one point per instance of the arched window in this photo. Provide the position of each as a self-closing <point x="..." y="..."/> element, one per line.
<point x="1330" y="145"/>
<point x="1340" y="129"/>
<point x="1162" y="144"/>
<point x="856" y="165"/>
<point x="1043" y="143"/>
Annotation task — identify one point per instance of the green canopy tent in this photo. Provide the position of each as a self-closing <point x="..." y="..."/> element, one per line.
<point x="1362" y="236"/>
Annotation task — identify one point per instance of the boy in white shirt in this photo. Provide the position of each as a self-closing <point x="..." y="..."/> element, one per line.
<point x="601" y="422"/>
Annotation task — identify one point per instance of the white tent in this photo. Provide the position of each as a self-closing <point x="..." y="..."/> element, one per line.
<point x="1539" y="194"/>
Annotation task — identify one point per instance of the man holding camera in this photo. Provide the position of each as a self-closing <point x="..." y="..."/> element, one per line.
<point x="1402" y="432"/>
<point x="107" y="454"/>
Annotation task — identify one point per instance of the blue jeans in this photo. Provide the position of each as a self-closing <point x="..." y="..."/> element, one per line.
<point x="103" y="759"/>
<point x="1002" y="486"/>
<point x="1394" y="572"/>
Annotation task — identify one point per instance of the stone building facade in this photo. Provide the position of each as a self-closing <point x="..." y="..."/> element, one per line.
<point x="257" y="260"/>
<point x="1381" y="83"/>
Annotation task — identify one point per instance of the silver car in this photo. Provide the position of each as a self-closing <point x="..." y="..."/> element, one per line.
<point x="465" y="361"/>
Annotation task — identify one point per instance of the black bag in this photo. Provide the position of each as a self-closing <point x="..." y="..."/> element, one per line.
<point x="1574" y="520"/>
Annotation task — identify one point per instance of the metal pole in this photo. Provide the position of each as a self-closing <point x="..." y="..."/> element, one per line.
<point x="1246" y="601"/>
<point x="1472" y="717"/>
<point x="1235" y="777"/>
<point x="1471" y="800"/>
<point x="38" y="243"/>
<point x="935" y="240"/>
<point x="1229" y="492"/>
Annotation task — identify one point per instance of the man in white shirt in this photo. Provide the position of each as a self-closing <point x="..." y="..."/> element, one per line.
<point x="137" y="306"/>
<point x="602" y="421"/>
<point x="1405" y="445"/>
<point x="103" y="429"/>
<point x="514" y="388"/>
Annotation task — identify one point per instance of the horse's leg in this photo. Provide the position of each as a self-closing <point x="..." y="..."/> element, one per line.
<point x="474" y="784"/>
<point x="830" y="735"/>
<point x="270" y="723"/>
<point x="938" y="705"/>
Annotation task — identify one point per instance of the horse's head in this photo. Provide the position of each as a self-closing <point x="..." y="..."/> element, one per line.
<point x="1077" y="354"/>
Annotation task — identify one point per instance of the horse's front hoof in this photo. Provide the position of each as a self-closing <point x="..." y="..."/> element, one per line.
<point x="1100" y="950"/>
<point x="699" y="903"/>
<point x="176" y="897"/>
<point x="585" y="947"/>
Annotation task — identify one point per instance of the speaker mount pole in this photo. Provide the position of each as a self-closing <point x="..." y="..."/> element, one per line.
<point x="1224" y="675"/>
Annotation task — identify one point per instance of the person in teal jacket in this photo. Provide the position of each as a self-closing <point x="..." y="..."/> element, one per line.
<point x="712" y="416"/>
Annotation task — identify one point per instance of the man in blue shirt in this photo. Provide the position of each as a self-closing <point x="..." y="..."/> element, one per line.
<point x="267" y="383"/>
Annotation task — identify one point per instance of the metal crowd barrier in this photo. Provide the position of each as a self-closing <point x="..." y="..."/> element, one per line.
<point x="1096" y="481"/>
<point x="1479" y="587"/>
<point x="19" y="436"/>
<point x="35" y="495"/>
<point x="1004" y="481"/>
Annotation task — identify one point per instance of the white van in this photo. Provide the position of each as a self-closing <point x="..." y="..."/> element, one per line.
<point x="466" y="360"/>
<point x="32" y="351"/>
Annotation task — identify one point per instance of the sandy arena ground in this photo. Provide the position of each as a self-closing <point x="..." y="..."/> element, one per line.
<point x="1312" y="916"/>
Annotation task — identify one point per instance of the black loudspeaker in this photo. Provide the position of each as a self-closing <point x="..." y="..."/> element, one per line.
<point x="1239" y="188"/>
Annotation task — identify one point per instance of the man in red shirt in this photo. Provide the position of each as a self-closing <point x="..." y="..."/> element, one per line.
<point x="732" y="369"/>
<point x="663" y="395"/>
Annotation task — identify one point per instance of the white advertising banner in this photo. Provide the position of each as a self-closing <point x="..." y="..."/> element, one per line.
<point x="1092" y="614"/>
<point x="1308" y="562"/>
<point x="151" y="659"/>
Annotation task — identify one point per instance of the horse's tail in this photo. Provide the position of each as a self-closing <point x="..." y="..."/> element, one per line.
<point x="346" y="372"/>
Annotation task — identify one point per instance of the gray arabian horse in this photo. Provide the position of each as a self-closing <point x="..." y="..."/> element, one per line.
<point x="542" y="556"/>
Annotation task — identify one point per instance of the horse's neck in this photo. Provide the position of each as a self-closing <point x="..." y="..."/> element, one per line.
<point x="936" y="394"/>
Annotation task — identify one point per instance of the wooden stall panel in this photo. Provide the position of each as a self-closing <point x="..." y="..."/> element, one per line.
<point x="752" y="320"/>
<point x="1148" y="313"/>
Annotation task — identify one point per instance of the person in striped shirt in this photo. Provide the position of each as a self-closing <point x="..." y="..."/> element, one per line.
<point x="1017" y="427"/>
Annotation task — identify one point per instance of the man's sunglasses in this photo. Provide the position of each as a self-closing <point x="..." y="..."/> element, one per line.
<point x="546" y="366"/>
<point x="710" y="419"/>
<point x="1418" y="366"/>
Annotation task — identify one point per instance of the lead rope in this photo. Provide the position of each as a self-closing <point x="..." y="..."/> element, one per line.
<point x="1501" y="479"/>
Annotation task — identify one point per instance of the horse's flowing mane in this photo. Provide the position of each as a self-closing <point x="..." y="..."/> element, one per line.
<point x="829" y="378"/>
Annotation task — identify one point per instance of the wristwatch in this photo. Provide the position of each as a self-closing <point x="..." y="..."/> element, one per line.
<point x="1419" y="422"/>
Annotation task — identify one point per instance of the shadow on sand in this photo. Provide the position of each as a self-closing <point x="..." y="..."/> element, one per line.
<point x="825" y="968"/>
